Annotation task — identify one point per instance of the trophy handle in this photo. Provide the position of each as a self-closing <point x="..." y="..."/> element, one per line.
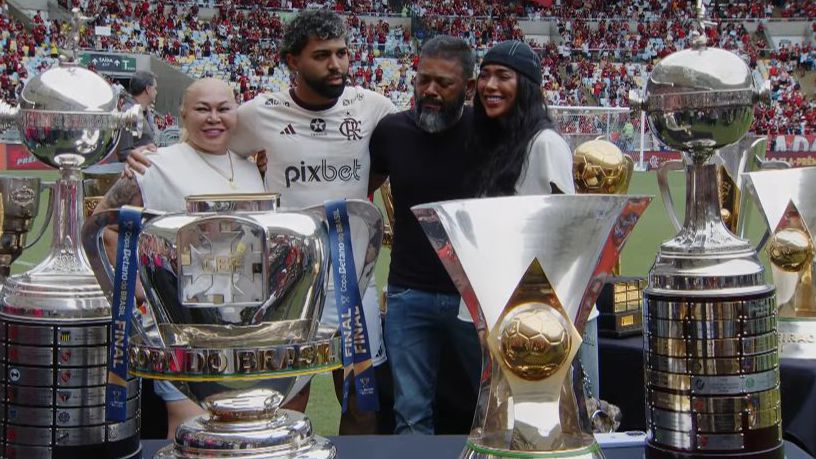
<point x="95" y="246"/>
<point x="771" y="164"/>
<point x="665" y="190"/>
<point x="370" y="214"/>
<point x="48" y="213"/>
<point x="98" y="258"/>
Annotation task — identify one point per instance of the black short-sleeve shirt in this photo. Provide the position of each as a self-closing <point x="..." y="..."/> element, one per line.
<point x="423" y="168"/>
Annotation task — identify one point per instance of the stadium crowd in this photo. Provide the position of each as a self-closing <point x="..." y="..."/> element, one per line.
<point x="593" y="62"/>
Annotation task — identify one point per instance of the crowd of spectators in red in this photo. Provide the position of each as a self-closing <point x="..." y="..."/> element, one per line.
<point x="596" y="62"/>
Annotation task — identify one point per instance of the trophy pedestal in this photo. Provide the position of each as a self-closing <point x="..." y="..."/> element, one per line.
<point x="797" y="337"/>
<point x="288" y="434"/>
<point x="621" y="307"/>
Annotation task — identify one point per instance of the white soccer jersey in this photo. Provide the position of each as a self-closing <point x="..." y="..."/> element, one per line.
<point x="312" y="155"/>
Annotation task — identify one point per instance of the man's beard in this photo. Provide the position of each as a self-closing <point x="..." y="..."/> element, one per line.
<point x="438" y="121"/>
<point x="327" y="90"/>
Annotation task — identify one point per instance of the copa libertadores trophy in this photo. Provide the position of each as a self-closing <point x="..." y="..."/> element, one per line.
<point x="235" y="289"/>
<point x="710" y="341"/>
<point x="54" y="318"/>
<point x="529" y="269"/>
<point x="789" y="205"/>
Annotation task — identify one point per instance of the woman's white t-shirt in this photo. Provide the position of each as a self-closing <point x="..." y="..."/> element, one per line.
<point x="179" y="170"/>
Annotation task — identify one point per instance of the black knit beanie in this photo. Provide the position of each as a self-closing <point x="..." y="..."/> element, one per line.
<point x="516" y="55"/>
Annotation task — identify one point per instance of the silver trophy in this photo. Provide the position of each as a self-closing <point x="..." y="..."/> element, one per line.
<point x="54" y="318"/>
<point x="21" y="203"/>
<point x="236" y="290"/>
<point x="529" y="270"/>
<point x="789" y="206"/>
<point x="710" y="339"/>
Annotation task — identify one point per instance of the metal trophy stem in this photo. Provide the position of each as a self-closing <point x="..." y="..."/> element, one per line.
<point x="710" y="339"/>
<point x="530" y="282"/>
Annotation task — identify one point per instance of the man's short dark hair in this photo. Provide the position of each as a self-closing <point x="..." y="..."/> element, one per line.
<point x="447" y="47"/>
<point x="139" y="82"/>
<point x="320" y="24"/>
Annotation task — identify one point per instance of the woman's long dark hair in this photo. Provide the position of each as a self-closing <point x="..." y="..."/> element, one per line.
<point x="500" y="145"/>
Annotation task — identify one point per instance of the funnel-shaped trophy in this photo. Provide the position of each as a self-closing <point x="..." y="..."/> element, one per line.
<point x="710" y="341"/>
<point x="529" y="270"/>
<point x="54" y="318"/>
<point x="235" y="289"/>
<point x="788" y="203"/>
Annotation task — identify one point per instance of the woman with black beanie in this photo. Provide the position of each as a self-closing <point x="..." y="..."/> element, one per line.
<point x="513" y="136"/>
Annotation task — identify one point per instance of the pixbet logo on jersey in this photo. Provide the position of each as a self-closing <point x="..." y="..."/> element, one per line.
<point x="322" y="172"/>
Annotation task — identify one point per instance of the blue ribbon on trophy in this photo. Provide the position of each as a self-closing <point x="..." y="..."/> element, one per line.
<point x="356" y="348"/>
<point x="130" y="224"/>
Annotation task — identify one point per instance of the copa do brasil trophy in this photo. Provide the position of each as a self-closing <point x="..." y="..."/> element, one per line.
<point x="529" y="269"/>
<point x="54" y="319"/>
<point x="235" y="290"/>
<point x="710" y="338"/>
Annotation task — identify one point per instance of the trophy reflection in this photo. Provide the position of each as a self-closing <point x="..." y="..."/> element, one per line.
<point x="529" y="283"/>
<point x="789" y="206"/>
<point x="96" y="182"/>
<point x="600" y="167"/>
<point x="388" y="205"/>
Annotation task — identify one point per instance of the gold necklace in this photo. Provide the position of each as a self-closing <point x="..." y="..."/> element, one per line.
<point x="231" y="178"/>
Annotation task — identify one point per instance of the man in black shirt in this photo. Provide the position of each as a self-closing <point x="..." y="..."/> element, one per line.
<point x="423" y="152"/>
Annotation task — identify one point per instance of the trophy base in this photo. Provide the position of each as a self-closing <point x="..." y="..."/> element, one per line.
<point x="655" y="452"/>
<point x="621" y="325"/>
<point x="288" y="434"/>
<point x="621" y="306"/>
<point x="797" y="337"/>
<point x="474" y="451"/>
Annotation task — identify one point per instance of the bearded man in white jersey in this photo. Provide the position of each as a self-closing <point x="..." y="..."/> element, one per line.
<point x="315" y="137"/>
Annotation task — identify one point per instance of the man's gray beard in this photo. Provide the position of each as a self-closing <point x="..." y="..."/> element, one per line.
<point x="434" y="122"/>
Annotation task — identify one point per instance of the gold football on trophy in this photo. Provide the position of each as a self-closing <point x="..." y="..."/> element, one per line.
<point x="600" y="167"/>
<point x="535" y="342"/>
<point x="790" y="249"/>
